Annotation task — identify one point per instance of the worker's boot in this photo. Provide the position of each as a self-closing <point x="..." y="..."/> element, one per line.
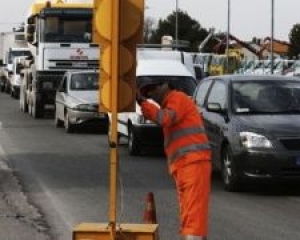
<point x="192" y="237"/>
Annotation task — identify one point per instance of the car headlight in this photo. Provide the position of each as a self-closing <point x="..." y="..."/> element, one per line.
<point x="254" y="140"/>
<point x="85" y="108"/>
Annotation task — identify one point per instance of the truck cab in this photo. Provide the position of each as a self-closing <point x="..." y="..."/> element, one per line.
<point x="58" y="34"/>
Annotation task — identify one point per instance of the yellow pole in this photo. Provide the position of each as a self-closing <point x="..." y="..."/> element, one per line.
<point x="114" y="112"/>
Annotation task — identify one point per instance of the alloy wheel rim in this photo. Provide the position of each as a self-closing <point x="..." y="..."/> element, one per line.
<point x="227" y="168"/>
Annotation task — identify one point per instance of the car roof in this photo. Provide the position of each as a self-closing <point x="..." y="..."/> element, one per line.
<point x="241" y="77"/>
<point x="163" y="67"/>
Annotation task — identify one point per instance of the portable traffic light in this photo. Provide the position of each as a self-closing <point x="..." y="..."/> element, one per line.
<point x="118" y="28"/>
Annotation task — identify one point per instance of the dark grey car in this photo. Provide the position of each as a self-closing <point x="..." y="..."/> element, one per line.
<point x="253" y="124"/>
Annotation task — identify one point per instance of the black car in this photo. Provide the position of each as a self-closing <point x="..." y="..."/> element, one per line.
<point x="253" y="124"/>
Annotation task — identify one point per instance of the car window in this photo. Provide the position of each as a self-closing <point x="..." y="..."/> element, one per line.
<point x="84" y="81"/>
<point x="202" y="91"/>
<point x="63" y="85"/>
<point x="218" y="94"/>
<point x="266" y="97"/>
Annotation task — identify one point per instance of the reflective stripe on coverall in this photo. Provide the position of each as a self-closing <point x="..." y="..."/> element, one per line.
<point x="189" y="155"/>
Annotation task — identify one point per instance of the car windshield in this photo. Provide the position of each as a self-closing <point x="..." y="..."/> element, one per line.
<point x="273" y="97"/>
<point x="84" y="82"/>
<point x="180" y="83"/>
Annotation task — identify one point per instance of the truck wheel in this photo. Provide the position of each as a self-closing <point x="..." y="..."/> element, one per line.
<point x="7" y="88"/>
<point x="23" y="103"/>
<point x="133" y="144"/>
<point x="37" y="109"/>
<point x="2" y="87"/>
<point x="69" y="127"/>
<point x="30" y="109"/>
<point x="12" y="94"/>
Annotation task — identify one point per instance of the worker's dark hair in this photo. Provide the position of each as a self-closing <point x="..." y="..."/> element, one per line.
<point x="170" y="85"/>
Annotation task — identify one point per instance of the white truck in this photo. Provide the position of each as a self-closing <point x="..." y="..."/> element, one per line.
<point x="59" y="37"/>
<point x="12" y="44"/>
<point x="164" y="65"/>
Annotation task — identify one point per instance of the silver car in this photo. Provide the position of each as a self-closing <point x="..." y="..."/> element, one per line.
<point x="76" y="101"/>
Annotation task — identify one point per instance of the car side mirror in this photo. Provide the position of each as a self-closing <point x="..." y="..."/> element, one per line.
<point x="215" y="107"/>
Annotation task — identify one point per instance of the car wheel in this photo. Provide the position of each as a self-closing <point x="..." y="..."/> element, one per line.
<point x="133" y="144"/>
<point x="230" y="180"/>
<point x="69" y="127"/>
<point x="58" y="122"/>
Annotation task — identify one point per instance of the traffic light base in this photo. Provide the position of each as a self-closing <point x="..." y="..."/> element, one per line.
<point x="101" y="231"/>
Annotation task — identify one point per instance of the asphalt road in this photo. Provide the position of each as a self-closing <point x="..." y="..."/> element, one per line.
<point x="66" y="178"/>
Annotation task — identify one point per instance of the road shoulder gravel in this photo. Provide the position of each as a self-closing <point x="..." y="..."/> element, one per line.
<point x="19" y="219"/>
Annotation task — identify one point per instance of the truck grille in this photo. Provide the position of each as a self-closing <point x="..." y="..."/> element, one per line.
<point x="67" y="64"/>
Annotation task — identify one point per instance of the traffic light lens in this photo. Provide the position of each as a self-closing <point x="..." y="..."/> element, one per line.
<point x="106" y="60"/>
<point x="104" y="12"/>
<point x="126" y="60"/>
<point x="131" y="11"/>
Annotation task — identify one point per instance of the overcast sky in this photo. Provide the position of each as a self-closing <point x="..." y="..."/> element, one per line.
<point x="248" y="17"/>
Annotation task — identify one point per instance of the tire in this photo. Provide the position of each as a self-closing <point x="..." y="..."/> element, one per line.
<point x="69" y="128"/>
<point x="230" y="179"/>
<point x="23" y="102"/>
<point x="58" y="123"/>
<point x="12" y="94"/>
<point x="37" y="109"/>
<point x="30" y="108"/>
<point x="2" y="86"/>
<point x="133" y="143"/>
<point x="7" y="88"/>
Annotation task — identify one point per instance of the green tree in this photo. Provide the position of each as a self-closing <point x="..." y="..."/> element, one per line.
<point x="294" y="37"/>
<point x="188" y="30"/>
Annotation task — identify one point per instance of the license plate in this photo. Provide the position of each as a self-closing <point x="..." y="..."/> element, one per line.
<point x="298" y="161"/>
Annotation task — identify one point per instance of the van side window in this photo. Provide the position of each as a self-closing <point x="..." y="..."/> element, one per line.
<point x="218" y="94"/>
<point x="202" y="91"/>
<point x="63" y="85"/>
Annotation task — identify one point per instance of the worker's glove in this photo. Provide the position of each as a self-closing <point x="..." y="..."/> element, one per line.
<point x="139" y="97"/>
<point x="147" y="109"/>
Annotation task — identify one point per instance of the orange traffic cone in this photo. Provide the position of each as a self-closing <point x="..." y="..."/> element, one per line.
<point x="150" y="212"/>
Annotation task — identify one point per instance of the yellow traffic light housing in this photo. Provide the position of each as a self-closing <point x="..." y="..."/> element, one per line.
<point x="118" y="28"/>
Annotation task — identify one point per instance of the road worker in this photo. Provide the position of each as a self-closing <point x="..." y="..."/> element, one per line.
<point x="187" y="150"/>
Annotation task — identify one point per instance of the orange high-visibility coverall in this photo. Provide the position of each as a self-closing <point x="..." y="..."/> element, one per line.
<point x="188" y="154"/>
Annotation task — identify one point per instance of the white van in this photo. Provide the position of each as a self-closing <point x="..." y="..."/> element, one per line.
<point x="140" y="132"/>
<point x="15" y="79"/>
